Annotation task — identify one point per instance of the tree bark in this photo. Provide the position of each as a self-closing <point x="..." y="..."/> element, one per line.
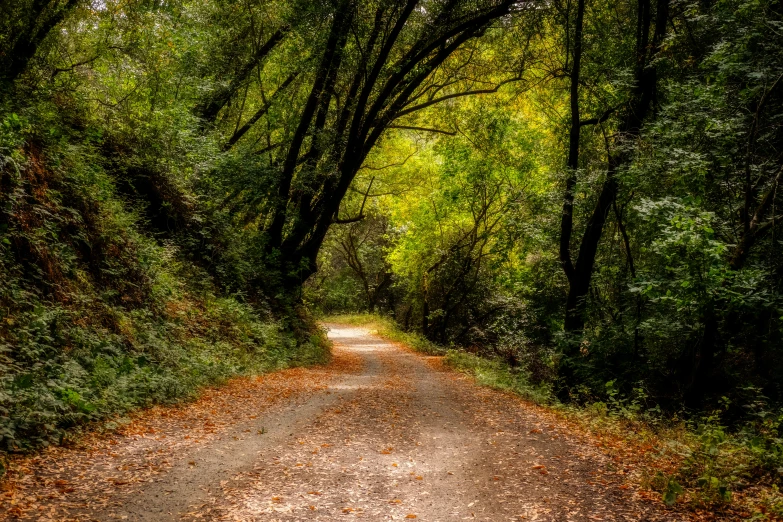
<point x="567" y="219"/>
<point x="756" y="229"/>
<point x="633" y="117"/>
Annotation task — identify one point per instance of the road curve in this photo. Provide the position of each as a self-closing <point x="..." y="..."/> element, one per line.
<point x="392" y="436"/>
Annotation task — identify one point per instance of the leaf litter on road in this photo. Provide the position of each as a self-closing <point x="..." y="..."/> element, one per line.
<point x="401" y="438"/>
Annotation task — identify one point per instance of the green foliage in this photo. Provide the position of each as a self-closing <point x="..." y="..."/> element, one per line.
<point x="119" y="289"/>
<point x="671" y="492"/>
<point x="684" y="300"/>
<point x="119" y="341"/>
<point x="496" y="374"/>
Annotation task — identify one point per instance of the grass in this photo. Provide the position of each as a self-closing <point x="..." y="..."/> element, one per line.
<point x="696" y="464"/>
<point x="496" y="374"/>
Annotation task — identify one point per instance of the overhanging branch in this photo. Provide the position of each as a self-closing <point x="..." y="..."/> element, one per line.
<point x="361" y="215"/>
<point x="398" y="164"/>
<point x="602" y="118"/>
<point x="423" y="129"/>
<point x="435" y="101"/>
<point x="263" y="110"/>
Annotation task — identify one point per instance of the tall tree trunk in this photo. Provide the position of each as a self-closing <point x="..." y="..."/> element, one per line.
<point x="756" y="227"/>
<point x="704" y="357"/>
<point x="425" y="311"/>
<point x="573" y="310"/>
<point x="634" y="115"/>
<point x="307" y="200"/>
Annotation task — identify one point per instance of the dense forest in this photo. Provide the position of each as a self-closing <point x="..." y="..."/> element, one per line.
<point x="585" y="191"/>
<point x="592" y="198"/>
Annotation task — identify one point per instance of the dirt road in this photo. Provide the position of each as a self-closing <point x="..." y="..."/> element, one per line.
<point x="381" y="434"/>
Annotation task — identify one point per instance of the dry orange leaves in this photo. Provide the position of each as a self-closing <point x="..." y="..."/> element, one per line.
<point x="102" y="465"/>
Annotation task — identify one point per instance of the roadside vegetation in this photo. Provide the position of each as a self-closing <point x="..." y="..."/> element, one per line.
<point x="102" y="312"/>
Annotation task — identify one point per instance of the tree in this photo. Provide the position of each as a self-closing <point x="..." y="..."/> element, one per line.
<point x="632" y="116"/>
<point x="380" y="63"/>
<point x="24" y="27"/>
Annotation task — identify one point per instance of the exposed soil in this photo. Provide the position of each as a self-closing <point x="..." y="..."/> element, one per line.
<point x="380" y="434"/>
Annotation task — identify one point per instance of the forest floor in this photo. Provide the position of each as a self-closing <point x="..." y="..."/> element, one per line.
<point x="381" y="433"/>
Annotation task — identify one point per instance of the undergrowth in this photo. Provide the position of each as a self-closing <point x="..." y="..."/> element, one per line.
<point x="97" y="315"/>
<point x="496" y="374"/>
<point x="695" y="462"/>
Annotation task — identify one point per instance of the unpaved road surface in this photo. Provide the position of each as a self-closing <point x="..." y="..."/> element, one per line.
<point x="380" y="434"/>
